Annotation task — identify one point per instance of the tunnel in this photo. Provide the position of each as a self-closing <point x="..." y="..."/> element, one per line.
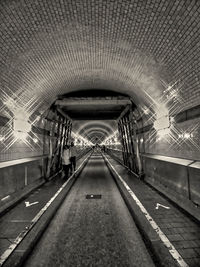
<point x="120" y="79"/>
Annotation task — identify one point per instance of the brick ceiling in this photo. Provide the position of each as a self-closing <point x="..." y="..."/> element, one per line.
<point x="147" y="49"/>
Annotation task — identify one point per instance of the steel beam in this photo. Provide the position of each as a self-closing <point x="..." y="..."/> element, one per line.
<point x="92" y="102"/>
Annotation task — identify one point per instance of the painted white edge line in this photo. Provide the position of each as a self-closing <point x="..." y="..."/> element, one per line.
<point x="21" y="236"/>
<point x="154" y="225"/>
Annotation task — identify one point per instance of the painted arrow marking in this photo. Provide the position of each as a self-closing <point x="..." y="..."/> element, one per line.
<point x="160" y="205"/>
<point x="28" y="204"/>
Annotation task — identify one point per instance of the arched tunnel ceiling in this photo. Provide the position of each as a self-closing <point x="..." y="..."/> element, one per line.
<point x="95" y="131"/>
<point x="141" y="48"/>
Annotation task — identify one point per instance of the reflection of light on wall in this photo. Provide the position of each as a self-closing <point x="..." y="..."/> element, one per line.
<point x="80" y="140"/>
<point x="145" y="110"/>
<point x="112" y="140"/>
<point x="171" y="96"/>
<point x="35" y="140"/>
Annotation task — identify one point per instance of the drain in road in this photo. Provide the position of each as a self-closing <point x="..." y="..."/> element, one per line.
<point x="92" y="196"/>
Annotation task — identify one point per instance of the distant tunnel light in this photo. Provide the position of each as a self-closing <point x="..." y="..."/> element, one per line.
<point x="186" y="135"/>
<point x="21" y="126"/>
<point x="162" y="123"/>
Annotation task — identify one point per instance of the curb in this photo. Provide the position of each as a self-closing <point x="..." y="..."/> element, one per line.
<point x="19" y="255"/>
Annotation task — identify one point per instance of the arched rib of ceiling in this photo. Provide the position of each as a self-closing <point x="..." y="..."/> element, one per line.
<point x="97" y="130"/>
<point x="109" y="127"/>
<point x="96" y="137"/>
<point x="87" y="131"/>
<point x="99" y="134"/>
<point x="91" y="128"/>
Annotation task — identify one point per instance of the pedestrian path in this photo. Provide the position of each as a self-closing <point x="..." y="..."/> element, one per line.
<point x="180" y="229"/>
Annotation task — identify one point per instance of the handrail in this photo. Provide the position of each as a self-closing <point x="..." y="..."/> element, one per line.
<point x="9" y="163"/>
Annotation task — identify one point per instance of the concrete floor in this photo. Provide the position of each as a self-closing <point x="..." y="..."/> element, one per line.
<point x="92" y="232"/>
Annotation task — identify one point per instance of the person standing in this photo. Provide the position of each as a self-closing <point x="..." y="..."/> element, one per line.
<point x="73" y="157"/>
<point x="66" y="161"/>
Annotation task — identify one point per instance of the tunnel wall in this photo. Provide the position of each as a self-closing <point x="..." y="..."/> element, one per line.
<point x="172" y="144"/>
<point x="19" y="177"/>
<point x="17" y="174"/>
<point x="178" y="179"/>
<point x="21" y="150"/>
<point x="171" y="161"/>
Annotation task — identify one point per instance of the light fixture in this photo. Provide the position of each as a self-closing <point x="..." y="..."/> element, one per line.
<point x="21" y="125"/>
<point x="162" y="123"/>
<point x="35" y="140"/>
<point x="20" y="135"/>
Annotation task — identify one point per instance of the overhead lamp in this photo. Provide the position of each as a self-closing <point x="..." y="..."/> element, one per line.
<point x="35" y="140"/>
<point x="161" y="123"/>
<point x="146" y="110"/>
<point x="186" y="135"/>
<point x="20" y="125"/>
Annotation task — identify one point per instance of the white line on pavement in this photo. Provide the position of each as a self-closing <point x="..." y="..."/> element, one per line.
<point x="160" y="205"/>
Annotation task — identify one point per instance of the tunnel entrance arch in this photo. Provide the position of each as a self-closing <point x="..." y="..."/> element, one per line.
<point x="104" y="105"/>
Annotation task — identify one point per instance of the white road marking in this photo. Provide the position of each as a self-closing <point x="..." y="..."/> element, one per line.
<point x="28" y="204"/>
<point x="4" y="198"/>
<point x="154" y="225"/>
<point x="21" y="236"/>
<point x="160" y="205"/>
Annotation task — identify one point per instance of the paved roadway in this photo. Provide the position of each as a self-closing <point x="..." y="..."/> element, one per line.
<point x="91" y="232"/>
